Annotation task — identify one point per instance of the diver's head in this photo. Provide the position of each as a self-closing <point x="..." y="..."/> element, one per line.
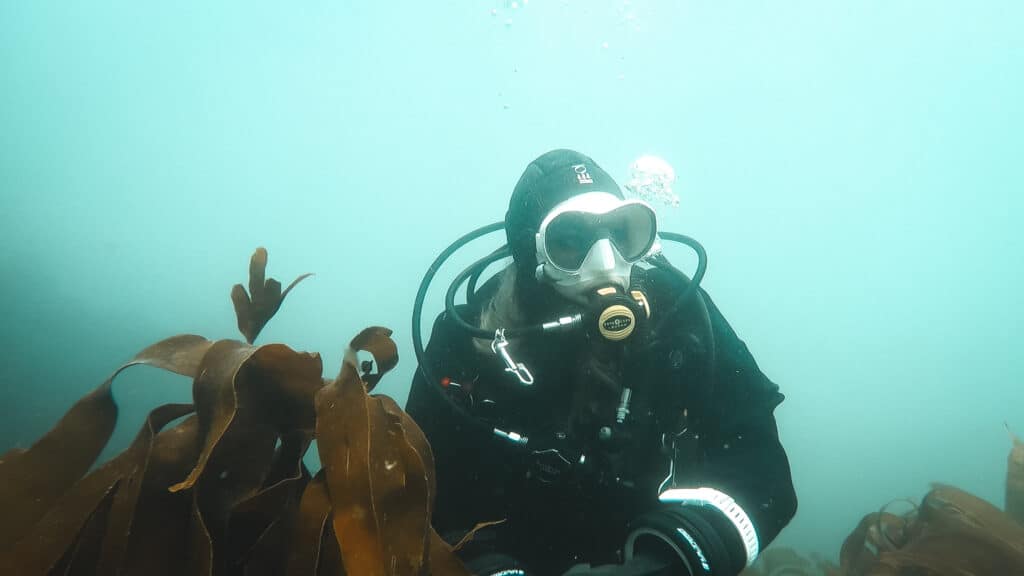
<point x="569" y="227"/>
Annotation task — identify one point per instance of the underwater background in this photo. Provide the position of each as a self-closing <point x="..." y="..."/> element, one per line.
<point x="853" y="170"/>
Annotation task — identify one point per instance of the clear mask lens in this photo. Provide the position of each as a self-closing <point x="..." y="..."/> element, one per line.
<point x="570" y="236"/>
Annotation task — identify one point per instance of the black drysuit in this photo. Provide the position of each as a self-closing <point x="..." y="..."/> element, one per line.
<point x="700" y="415"/>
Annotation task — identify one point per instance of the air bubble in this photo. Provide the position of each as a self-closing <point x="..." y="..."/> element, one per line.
<point x="651" y="178"/>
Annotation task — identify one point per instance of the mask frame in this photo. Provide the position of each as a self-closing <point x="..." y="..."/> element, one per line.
<point x="603" y="263"/>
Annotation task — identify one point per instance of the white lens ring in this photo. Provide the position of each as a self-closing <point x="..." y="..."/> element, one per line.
<point x="596" y="204"/>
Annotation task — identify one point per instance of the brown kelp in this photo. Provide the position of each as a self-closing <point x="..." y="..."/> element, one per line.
<point x="950" y="533"/>
<point x="1015" y="479"/>
<point x="219" y="486"/>
<point x="257" y="306"/>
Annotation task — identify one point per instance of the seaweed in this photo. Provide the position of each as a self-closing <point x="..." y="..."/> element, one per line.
<point x="255" y="308"/>
<point x="950" y="533"/>
<point x="1015" y="479"/>
<point x="219" y="486"/>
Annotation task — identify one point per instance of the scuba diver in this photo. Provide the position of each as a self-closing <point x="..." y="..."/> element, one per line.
<point x="589" y="409"/>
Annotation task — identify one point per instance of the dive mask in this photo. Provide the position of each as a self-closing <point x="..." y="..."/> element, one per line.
<point x="593" y="240"/>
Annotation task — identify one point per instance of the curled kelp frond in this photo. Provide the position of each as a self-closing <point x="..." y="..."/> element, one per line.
<point x="890" y="529"/>
<point x="377" y="341"/>
<point x="861" y="549"/>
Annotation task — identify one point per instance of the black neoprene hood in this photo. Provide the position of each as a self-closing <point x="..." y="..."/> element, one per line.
<point x="549" y="180"/>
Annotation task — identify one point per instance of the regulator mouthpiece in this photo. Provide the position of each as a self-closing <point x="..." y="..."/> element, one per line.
<point x="616" y="322"/>
<point x="616" y="315"/>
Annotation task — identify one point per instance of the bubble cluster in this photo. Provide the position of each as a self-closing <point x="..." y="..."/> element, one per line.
<point x="651" y="178"/>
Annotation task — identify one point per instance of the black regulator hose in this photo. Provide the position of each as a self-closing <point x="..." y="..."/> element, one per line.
<point x="691" y="291"/>
<point x="421" y="294"/>
<point x="475" y="269"/>
<point x="693" y="283"/>
<point x="475" y="277"/>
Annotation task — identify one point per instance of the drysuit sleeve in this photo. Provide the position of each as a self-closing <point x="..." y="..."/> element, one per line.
<point x="731" y="491"/>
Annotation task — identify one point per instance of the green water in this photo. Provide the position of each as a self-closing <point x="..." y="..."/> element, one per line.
<point x="853" y="170"/>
